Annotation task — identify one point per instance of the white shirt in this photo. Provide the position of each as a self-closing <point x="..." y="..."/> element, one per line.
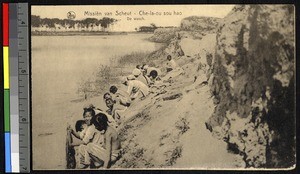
<point x="135" y="85"/>
<point x="173" y="64"/>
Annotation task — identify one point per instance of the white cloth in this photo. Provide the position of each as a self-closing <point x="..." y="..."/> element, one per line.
<point x="136" y="72"/>
<point x="123" y="96"/>
<point x="136" y="86"/>
<point x="173" y="64"/>
<point x="92" y="135"/>
<point x="143" y="79"/>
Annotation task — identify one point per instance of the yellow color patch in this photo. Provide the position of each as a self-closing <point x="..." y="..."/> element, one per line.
<point x="6" y="67"/>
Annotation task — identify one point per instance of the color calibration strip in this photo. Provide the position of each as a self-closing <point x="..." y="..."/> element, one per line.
<point x="5" y="15"/>
<point x="14" y="86"/>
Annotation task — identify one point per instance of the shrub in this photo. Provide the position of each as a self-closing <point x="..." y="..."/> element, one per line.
<point x="174" y="155"/>
<point x="134" y="58"/>
<point x="182" y="125"/>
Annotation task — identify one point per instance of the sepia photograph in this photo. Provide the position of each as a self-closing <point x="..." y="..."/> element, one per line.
<point x="190" y="87"/>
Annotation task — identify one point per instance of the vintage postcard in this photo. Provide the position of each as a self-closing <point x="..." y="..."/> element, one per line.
<point x="201" y="87"/>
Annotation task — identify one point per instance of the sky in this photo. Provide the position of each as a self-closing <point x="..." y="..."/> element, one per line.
<point x="133" y="16"/>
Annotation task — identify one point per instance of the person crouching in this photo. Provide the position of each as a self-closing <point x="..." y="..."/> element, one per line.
<point x="107" y="150"/>
<point x="135" y="88"/>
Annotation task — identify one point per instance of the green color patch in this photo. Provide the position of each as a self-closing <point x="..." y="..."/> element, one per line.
<point x="6" y="111"/>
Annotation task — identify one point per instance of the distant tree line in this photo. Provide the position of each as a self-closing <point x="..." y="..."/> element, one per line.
<point x="88" y="23"/>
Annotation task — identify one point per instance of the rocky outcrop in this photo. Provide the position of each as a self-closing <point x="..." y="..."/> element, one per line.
<point x="196" y="27"/>
<point x="253" y="84"/>
<point x="200" y="23"/>
<point x="163" y="35"/>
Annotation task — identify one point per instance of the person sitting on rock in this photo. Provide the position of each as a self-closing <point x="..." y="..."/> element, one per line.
<point x="156" y="85"/>
<point x="82" y="126"/>
<point x="97" y="110"/>
<point x="144" y="69"/>
<point x="135" y="88"/>
<point x="173" y="70"/>
<point x="90" y="135"/>
<point x="120" y="95"/>
<point x="121" y="102"/>
<point x="106" y="150"/>
<point x="153" y="76"/>
<point x="148" y="70"/>
<point x="106" y="96"/>
<point x="171" y="64"/>
<point x="137" y="70"/>
<point x="109" y="102"/>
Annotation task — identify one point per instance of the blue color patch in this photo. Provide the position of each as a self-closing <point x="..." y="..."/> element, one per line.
<point x="7" y="153"/>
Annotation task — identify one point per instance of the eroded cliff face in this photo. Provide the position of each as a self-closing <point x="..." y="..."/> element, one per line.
<point x="163" y="35"/>
<point x="253" y="84"/>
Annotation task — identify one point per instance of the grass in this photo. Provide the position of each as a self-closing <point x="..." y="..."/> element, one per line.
<point x="135" y="158"/>
<point x="174" y="155"/>
<point x="182" y="125"/>
<point x="99" y="82"/>
<point x="134" y="58"/>
<point x="110" y="74"/>
<point x="123" y="133"/>
<point x="138" y="153"/>
<point x="162" y="137"/>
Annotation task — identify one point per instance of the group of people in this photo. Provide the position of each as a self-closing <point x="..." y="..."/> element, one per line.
<point x="98" y="143"/>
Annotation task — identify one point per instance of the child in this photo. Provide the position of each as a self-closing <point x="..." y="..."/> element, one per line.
<point x="81" y="128"/>
<point x="85" y="132"/>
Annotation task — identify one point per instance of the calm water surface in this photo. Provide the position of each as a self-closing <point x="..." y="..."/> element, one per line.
<point x="60" y="62"/>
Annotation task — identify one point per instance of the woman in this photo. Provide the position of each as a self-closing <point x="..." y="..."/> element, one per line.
<point x="91" y="135"/>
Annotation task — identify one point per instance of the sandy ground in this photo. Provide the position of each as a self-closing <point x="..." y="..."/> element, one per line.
<point x="172" y="133"/>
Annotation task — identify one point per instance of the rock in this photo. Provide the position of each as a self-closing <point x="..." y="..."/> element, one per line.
<point x="164" y="35"/>
<point x="172" y="97"/>
<point x="174" y="49"/>
<point x="199" y="23"/>
<point x="253" y="79"/>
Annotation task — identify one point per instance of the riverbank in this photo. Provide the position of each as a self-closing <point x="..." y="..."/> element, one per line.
<point x="167" y="129"/>
<point x="162" y="130"/>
